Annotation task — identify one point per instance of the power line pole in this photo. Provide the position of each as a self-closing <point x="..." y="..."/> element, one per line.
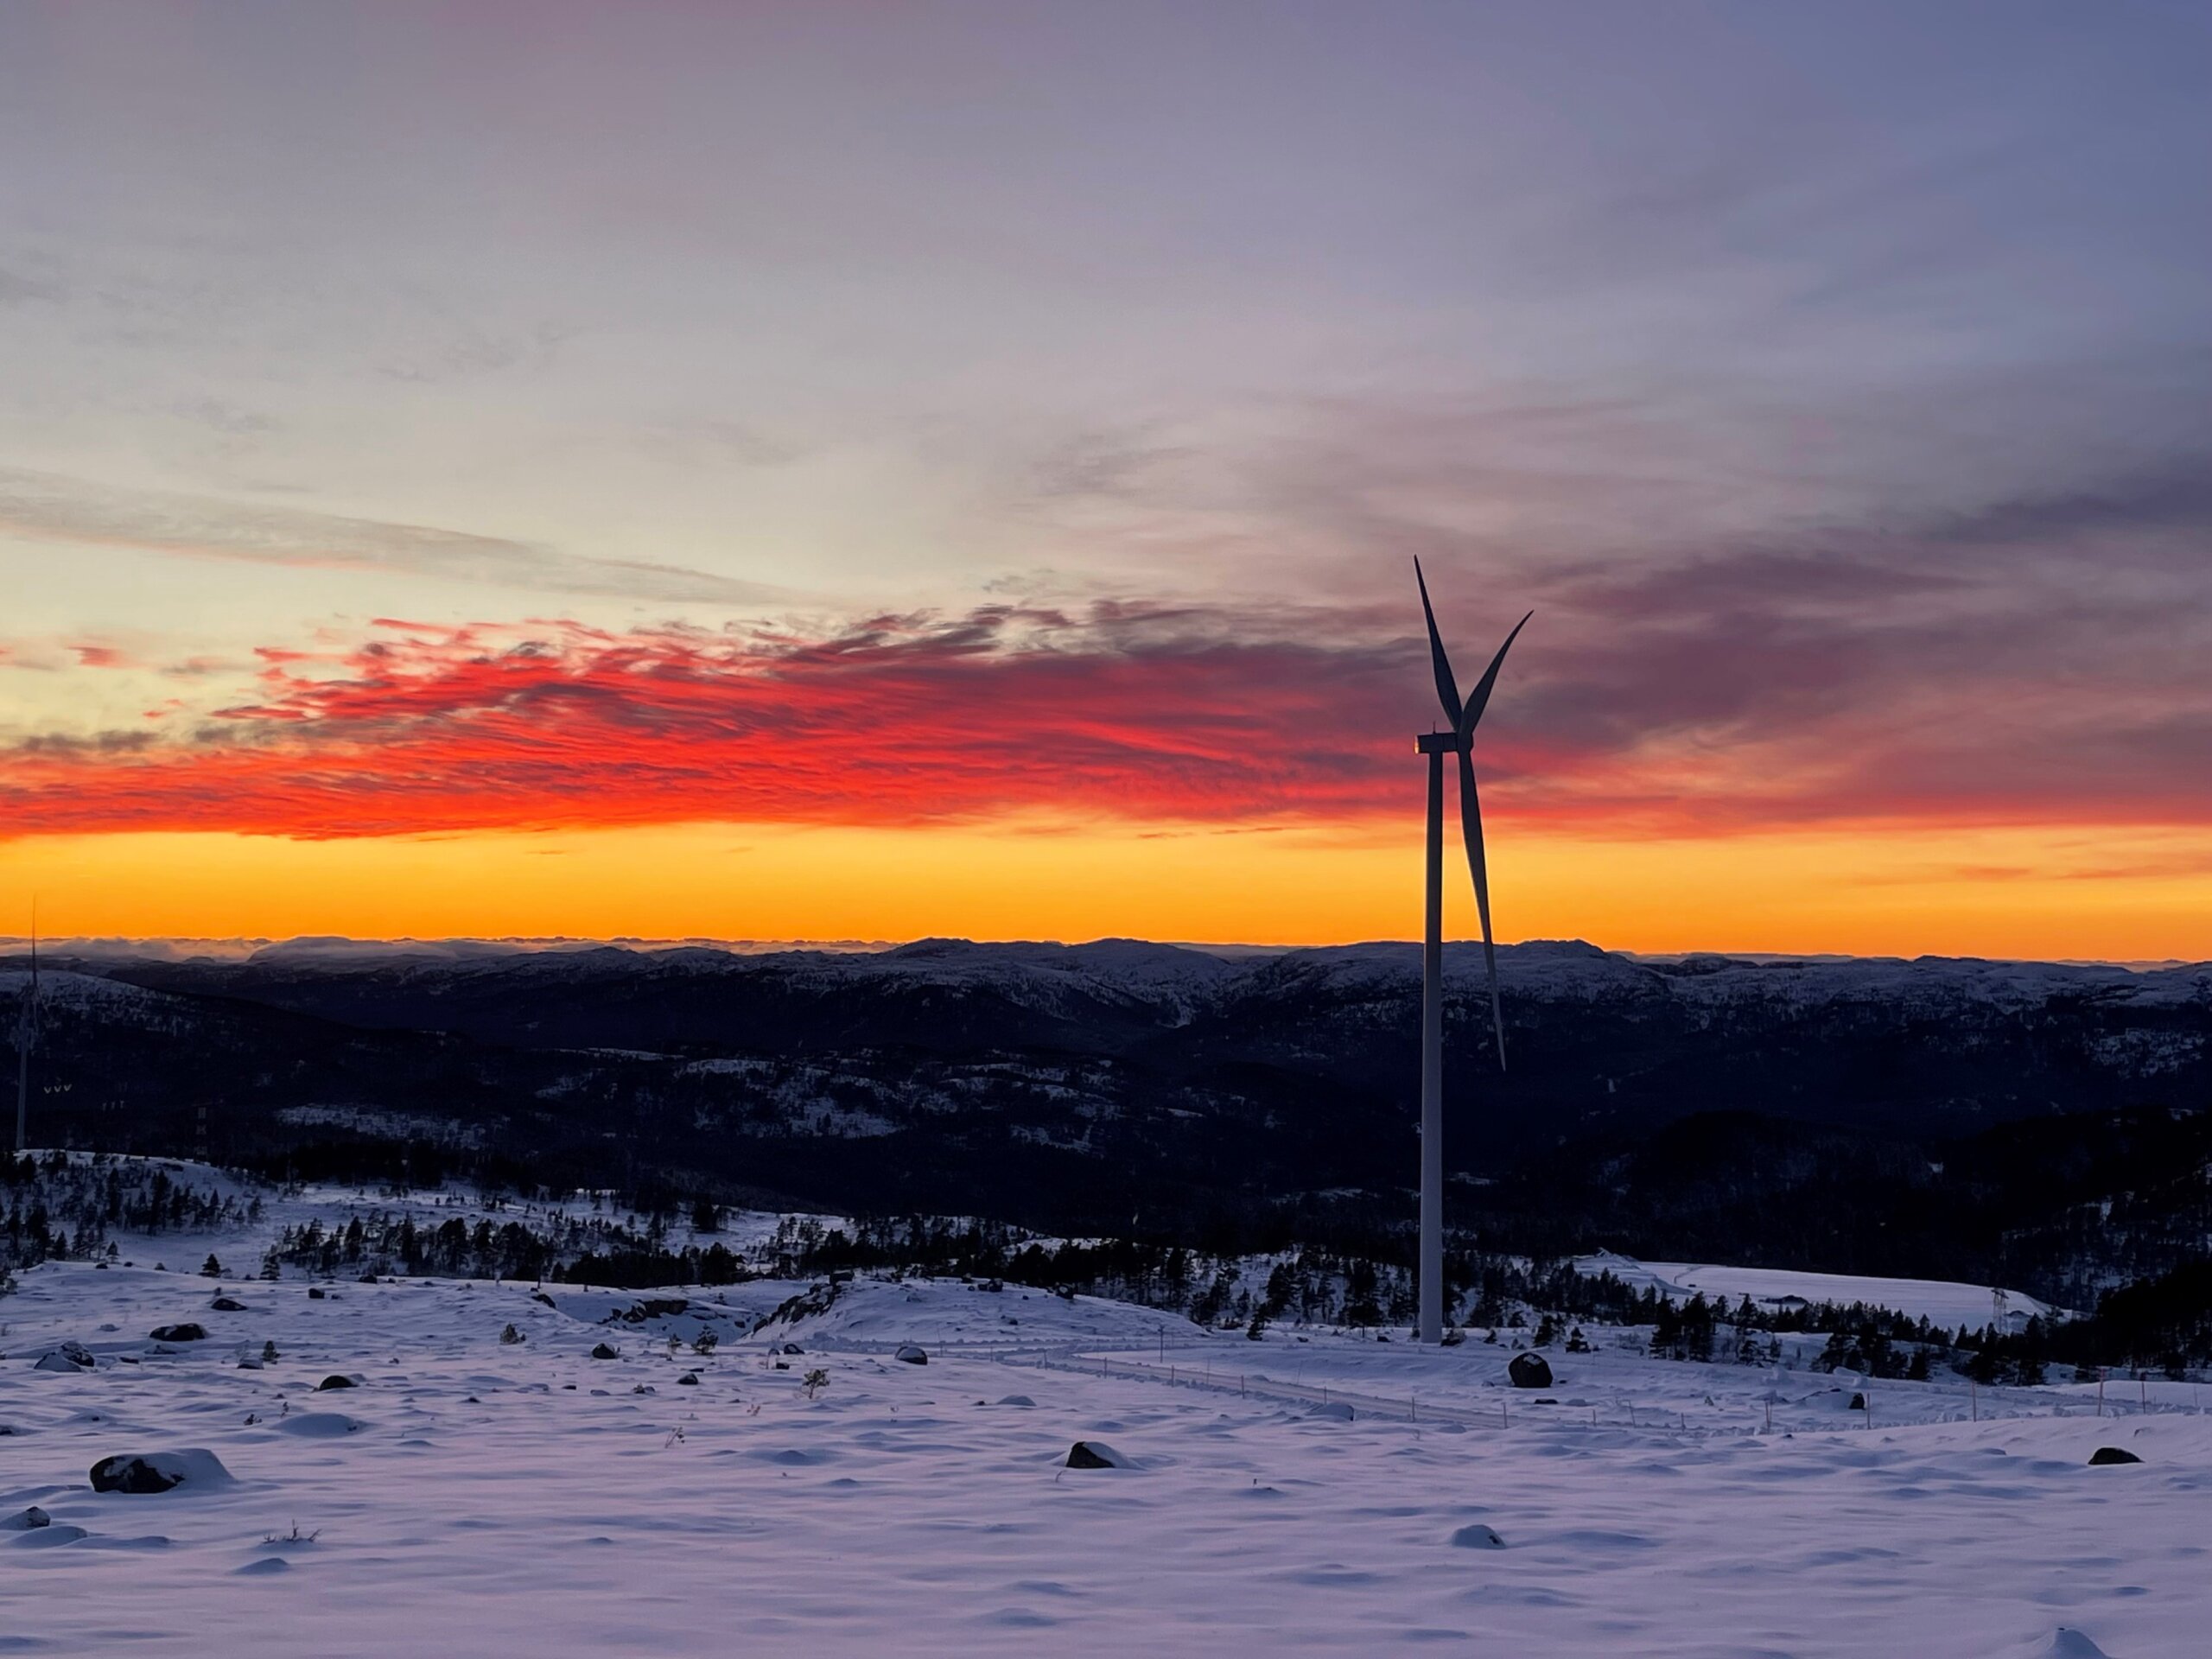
<point x="26" y="1033"/>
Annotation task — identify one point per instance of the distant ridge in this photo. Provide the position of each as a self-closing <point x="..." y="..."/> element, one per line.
<point x="340" y="947"/>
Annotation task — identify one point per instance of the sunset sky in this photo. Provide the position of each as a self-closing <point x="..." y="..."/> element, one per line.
<point x="858" y="471"/>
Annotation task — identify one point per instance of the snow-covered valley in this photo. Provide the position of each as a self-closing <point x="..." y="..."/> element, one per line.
<point x="477" y="1493"/>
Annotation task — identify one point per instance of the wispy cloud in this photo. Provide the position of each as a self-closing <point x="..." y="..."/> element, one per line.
<point x="48" y="507"/>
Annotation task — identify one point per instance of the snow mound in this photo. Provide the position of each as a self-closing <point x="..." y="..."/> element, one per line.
<point x="48" y="1537"/>
<point x="320" y="1426"/>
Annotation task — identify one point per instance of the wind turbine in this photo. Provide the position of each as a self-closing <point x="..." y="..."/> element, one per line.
<point x="26" y="1033"/>
<point x="1460" y="741"/>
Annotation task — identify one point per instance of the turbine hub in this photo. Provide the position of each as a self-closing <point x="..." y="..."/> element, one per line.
<point x="1440" y="743"/>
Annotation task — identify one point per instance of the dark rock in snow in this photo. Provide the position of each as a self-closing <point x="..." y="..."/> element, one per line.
<point x="27" y="1520"/>
<point x="336" y="1380"/>
<point x="1475" y="1535"/>
<point x="789" y="1347"/>
<point x="602" y="1350"/>
<point x="1017" y="1400"/>
<point x="1529" y="1371"/>
<point x="911" y="1353"/>
<point x="158" y="1471"/>
<point x="227" y="1304"/>
<point x="2112" y="1454"/>
<point x="1858" y="1404"/>
<point x="540" y="1296"/>
<point x="368" y="1278"/>
<point x="1096" y="1454"/>
<point x="689" y="1380"/>
<point x="653" y="1307"/>
<point x="316" y="1292"/>
<point x="511" y="1336"/>
<point x="69" y="1357"/>
<point x="185" y="1332"/>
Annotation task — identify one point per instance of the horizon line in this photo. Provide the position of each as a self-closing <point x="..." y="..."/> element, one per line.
<point x="247" y="946"/>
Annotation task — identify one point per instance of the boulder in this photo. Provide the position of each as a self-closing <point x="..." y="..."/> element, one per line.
<point x="227" y="1304"/>
<point x="336" y="1380"/>
<point x="1475" y="1535"/>
<point x="69" y="1357"/>
<point x="511" y="1336"/>
<point x="689" y="1380"/>
<point x="1016" y="1399"/>
<point x="27" y="1520"/>
<point x="1858" y="1404"/>
<point x="145" y="1473"/>
<point x="604" y="1350"/>
<point x="316" y="1292"/>
<point x="1096" y="1454"/>
<point x="653" y="1307"/>
<point x="185" y="1332"/>
<point x="2067" y="1643"/>
<point x="2112" y="1454"/>
<point x="911" y="1353"/>
<point x="1529" y="1370"/>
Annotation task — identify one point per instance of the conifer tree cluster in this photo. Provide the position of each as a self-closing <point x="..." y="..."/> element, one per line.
<point x="61" y="1206"/>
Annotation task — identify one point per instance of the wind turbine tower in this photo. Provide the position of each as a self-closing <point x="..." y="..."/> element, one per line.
<point x="1462" y="717"/>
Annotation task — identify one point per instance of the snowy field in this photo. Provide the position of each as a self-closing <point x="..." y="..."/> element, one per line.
<point x="1309" y="1492"/>
<point x="1943" y="1301"/>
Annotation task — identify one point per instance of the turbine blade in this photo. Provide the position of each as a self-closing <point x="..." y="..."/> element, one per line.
<point x="1480" y="699"/>
<point x="1470" y="827"/>
<point x="1448" y="689"/>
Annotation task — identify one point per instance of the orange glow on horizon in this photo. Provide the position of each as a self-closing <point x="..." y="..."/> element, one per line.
<point x="2122" y="893"/>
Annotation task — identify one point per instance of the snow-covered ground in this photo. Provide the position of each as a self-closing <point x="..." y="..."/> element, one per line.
<point x="1943" y="1302"/>
<point x="472" y="1495"/>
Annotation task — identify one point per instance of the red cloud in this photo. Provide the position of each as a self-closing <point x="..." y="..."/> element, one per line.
<point x="900" y="721"/>
<point x="1621" y="725"/>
